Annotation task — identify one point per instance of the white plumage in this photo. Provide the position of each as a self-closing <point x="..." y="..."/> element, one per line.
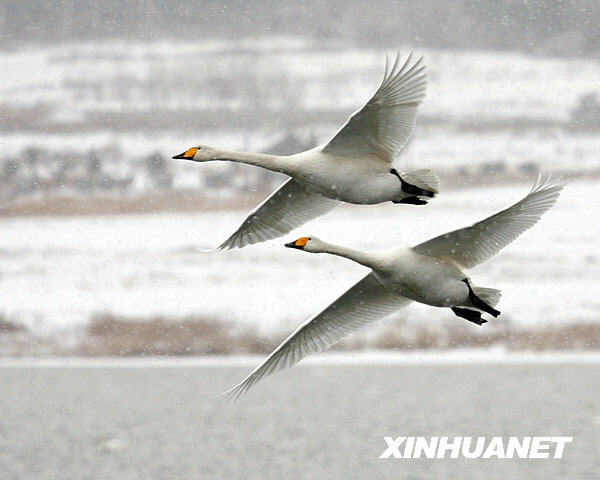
<point x="363" y="303"/>
<point x="383" y="126"/>
<point x="475" y="244"/>
<point x="286" y="208"/>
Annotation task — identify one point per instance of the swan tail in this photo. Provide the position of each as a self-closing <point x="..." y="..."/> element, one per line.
<point x="491" y="296"/>
<point x="425" y="179"/>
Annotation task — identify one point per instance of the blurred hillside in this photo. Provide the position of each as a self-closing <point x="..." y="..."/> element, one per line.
<point x="102" y="119"/>
<point x="567" y="28"/>
<point x="96" y="97"/>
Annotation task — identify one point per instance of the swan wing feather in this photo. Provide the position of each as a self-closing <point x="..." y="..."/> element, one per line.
<point x="383" y="126"/>
<point x="473" y="245"/>
<point x="365" y="302"/>
<point x="287" y="208"/>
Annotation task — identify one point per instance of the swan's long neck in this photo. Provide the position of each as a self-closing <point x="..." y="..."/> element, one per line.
<point x="275" y="163"/>
<point x="364" y="258"/>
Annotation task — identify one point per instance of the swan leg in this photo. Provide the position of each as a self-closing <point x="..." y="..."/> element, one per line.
<point x="470" y="315"/>
<point x="410" y="188"/>
<point x="478" y="302"/>
<point x="411" y="201"/>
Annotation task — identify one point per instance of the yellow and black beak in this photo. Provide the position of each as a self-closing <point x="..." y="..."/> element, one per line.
<point x="299" y="244"/>
<point x="187" y="155"/>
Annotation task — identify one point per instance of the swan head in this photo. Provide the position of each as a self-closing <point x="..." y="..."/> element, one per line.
<point x="308" y="244"/>
<point x="199" y="153"/>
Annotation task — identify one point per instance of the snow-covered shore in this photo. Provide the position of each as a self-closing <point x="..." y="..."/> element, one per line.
<point x="60" y="272"/>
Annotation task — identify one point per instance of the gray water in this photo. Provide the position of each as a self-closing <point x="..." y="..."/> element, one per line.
<point x="163" y="422"/>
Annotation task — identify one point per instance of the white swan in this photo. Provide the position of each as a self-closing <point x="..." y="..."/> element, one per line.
<point x="429" y="273"/>
<point x="355" y="166"/>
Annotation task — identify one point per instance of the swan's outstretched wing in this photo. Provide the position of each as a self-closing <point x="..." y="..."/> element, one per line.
<point x="288" y="207"/>
<point x="365" y="302"/>
<point x="383" y="126"/>
<point x="477" y="243"/>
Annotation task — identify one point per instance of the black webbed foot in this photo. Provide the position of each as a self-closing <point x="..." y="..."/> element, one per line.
<point x="470" y="315"/>
<point x="411" y="201"/>
<point x="479" y="303"/>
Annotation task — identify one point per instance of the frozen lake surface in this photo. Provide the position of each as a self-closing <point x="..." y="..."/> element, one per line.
<point x="59" y="272"/>
<point x="162" y="420"/>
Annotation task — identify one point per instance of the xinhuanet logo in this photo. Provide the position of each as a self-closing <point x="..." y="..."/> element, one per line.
<point x="475" y="447"/>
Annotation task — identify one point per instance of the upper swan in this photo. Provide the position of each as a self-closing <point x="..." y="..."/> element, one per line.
<point x="355" y="166"/>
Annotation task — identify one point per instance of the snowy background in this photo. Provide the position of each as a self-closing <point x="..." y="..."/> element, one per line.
<point x="99" y="226"/>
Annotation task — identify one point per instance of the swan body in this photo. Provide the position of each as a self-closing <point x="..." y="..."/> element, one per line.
<point x="431" y="280"/>
<point x="358" y="180"/>
<point x="431" y="273"/>
<point x="355" y="166"/>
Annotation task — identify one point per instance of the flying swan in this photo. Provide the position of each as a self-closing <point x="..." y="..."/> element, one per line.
<point x="355" y="166"/>
<point x="429" y="273"/>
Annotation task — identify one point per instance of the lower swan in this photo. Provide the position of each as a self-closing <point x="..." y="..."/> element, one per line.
<point x="431" y="273"/>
